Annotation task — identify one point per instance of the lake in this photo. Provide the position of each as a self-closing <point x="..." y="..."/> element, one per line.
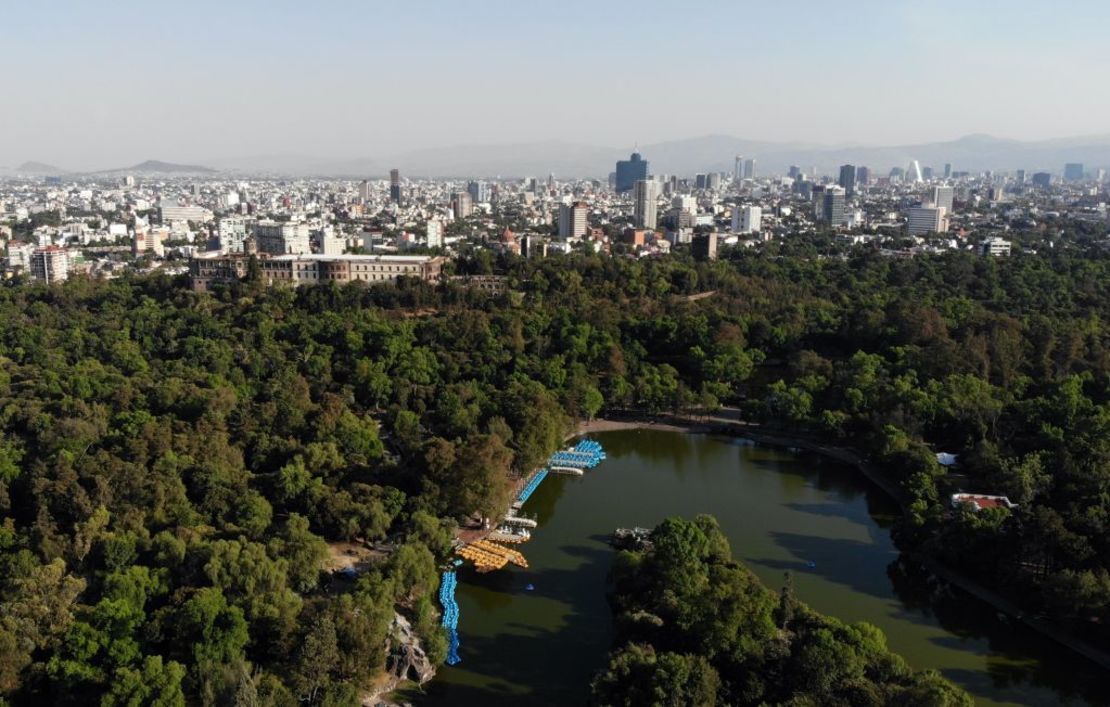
<point x="822" y="521"/>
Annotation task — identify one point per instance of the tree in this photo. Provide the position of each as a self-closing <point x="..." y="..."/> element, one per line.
<point x="156" y="684"/>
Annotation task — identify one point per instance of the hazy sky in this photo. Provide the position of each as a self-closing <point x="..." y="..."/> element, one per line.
<point x="104" y="84"/>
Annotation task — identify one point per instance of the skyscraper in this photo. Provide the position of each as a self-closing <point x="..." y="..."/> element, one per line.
<point x="947" y="170"/>
<point x="643" y="212"/>
<point x="1042" y="179"/>
<point x="479" y="191"/>
<point x="863" y="176"/>
<point x="848" y="178"/>
<point x="832" y="206"/>
<point x="629" y="172"/>
<point x="364" y="191"/>
<point x="738" y="168"/>
<point x="1073" y="171"/>
<point x="749" y="169"/>
<point x="395" y="186"/>
<point x="913" y="172"/>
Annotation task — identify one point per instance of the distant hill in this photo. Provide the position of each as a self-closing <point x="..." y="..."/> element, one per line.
<point x="159" y="167"/>
<point x="38" y="168"/>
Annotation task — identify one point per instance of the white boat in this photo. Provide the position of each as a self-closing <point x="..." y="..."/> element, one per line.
<point x="565" y="470"/>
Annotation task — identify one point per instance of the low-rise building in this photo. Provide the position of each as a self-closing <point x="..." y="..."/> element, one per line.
<point x="208" y="270"/>
<point x="995" y="246"/>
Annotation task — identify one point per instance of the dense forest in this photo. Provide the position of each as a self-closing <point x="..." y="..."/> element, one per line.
<point x="174" y="466"/>
<point x="697" y="628"/>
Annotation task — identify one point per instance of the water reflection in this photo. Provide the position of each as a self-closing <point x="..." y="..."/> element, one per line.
<point x="801" y="513"/>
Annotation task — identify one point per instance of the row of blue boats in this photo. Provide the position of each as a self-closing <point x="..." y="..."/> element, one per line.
<point x="531" y="486"/>
<point x="585" y="455"/>
<point x="450" y="614"/>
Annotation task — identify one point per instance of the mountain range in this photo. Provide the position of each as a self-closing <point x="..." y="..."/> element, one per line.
<point x="711" y="153"/>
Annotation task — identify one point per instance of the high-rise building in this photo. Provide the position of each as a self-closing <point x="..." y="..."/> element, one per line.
<point x="435" y="233"/>
<point x="572" y="220"/>
<point x="282" y="238"/>
<point x="50" y="264"/>
<point x="704" y="247"/>
<point x="629" y="172"/>
<point x="479" y="192"/>
<point x="643" y="213"/>
<point x="713" y="181"/>
<point x="395" y="186"/>
<point x="927" y="173"/>
<point x="364" y="191"/>
<point x="926" y="219"/>
<point x="832" y="205"/>
<point x="233" y="232"/>
<point x="747" y="219"/>
<point x="462" y="204"/>
<point x="738" y="168"/>
<point x="749" y="168"/>
<point x="848" y="178"/>
<point x="863" y="176"/>
<point x="943" y="197"/>
<point x="794" y="172"/>
<point x="913" y="172"/>
<point x="1073" y="171"/>
<point x="701" y="181"/>
<point x="947" y="170"/>
<point x="1042" y="179"/>
<point x="1020" y="177"/>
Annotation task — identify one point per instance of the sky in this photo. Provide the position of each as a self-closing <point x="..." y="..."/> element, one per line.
<point x="96" y="85"/>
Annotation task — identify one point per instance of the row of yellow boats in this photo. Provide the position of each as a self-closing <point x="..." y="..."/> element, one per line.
<point x="488" y="556"/>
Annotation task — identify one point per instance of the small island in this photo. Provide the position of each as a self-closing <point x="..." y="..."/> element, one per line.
<point x="695" y="627"/>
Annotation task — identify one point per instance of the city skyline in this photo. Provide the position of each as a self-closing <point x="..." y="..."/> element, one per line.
<point x="115" y="85"/>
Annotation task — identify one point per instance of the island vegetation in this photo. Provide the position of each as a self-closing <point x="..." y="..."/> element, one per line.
<point x="176" y="469"/>
<point x="695" y="627"/>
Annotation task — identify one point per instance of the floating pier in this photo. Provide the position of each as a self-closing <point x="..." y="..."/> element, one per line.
<point x="531" y="486"/>
<point x="510" y="534"/>
<point x="450" y="615"/>
<point x="517" y="520"/>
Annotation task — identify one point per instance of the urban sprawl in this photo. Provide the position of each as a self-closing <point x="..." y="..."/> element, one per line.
<point x="219" y="229"/>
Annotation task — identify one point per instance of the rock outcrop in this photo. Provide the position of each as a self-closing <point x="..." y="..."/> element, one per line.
<point x="406" y="662"/>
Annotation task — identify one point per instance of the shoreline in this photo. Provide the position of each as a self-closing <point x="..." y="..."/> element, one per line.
<point x="740" y="428"/>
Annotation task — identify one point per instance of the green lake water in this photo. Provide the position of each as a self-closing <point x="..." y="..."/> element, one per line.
<point x="781" y="512"/>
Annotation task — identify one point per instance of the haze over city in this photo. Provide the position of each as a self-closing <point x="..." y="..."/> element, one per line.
<point x="108" y="85"/>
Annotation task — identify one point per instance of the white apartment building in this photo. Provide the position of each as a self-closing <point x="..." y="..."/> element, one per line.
<point x="50" y="264"/>
<point x="747" y="219"/>
<point x="282" y="238"/>
<point x="926" y="219"/>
